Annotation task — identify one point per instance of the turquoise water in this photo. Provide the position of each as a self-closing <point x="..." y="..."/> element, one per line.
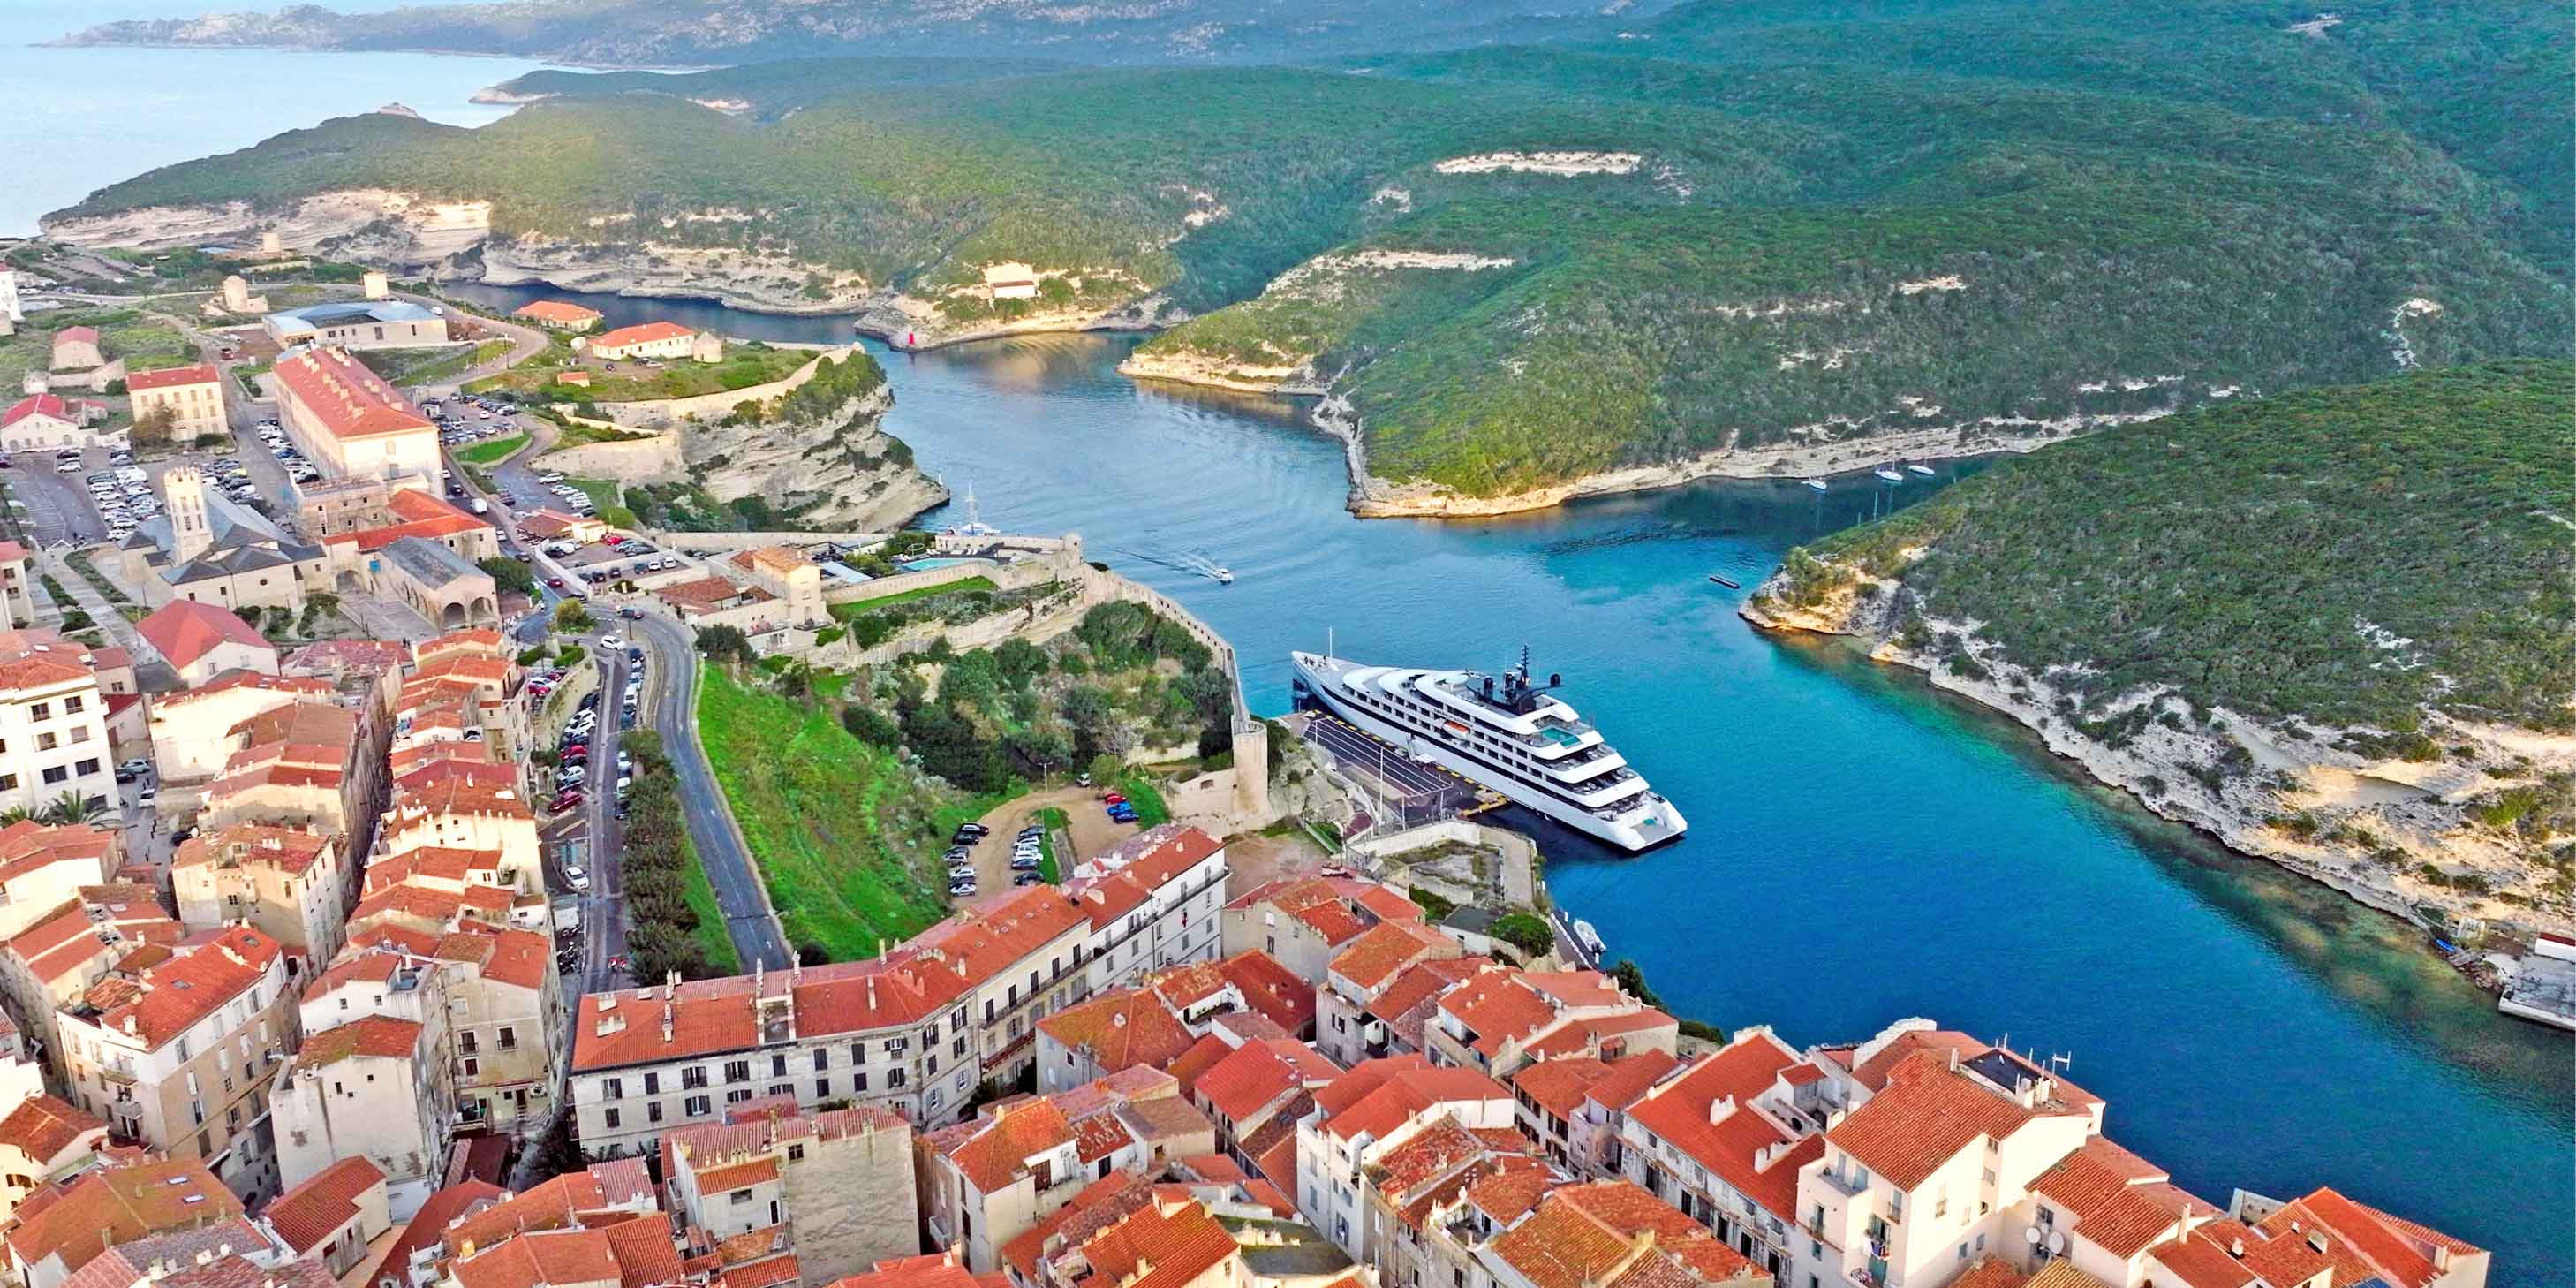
<point x="926" y="565"/>
<point x="1862" y="848"/>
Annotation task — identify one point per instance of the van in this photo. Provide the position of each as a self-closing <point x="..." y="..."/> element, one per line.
<point x="482" y="506"/>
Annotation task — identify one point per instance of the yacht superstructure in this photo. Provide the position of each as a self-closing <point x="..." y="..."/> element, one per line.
<point x="1504" y="732"/>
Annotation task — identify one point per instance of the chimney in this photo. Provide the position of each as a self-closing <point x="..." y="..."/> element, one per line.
<point x="2236" y="1248"/>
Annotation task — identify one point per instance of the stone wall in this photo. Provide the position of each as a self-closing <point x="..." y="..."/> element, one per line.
<point x="643" y="460"/>
<point x="671" y="411"/>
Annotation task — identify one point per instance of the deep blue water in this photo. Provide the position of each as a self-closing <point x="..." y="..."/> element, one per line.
<point x="1862" y="848"/>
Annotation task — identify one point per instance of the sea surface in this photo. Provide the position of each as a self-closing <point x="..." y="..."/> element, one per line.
<point x="1862" y="847"/>
<point x="80" y="119"/>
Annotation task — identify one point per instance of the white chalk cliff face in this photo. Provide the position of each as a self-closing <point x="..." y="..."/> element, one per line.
<point x="2377" y="821"/>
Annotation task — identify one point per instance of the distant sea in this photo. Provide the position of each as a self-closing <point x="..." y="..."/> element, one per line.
<point x="80" y="119"/>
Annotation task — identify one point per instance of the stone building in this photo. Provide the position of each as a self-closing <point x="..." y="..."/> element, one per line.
<point x="840" y="1181"/>
<point x="193" y="395"/>
<point x="351" y="424"/>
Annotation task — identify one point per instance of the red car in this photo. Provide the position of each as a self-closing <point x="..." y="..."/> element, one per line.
<point x="569" y="800"/>
<point x="1114" y="798"/>
<point x="555" y="582"/>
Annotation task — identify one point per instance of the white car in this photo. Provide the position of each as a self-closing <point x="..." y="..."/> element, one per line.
<point x="68" y="467"/>
<point x="611" y="641"/>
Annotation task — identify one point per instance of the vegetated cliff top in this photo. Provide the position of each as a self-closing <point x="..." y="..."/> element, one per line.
<point x="1781" y="224"/>
<point x="644" y="33"/>
<point x="2349" y="556"/>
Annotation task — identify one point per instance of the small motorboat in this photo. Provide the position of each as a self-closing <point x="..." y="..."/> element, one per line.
<point x="1924" y="470"/>
<point x="1223" y="575"/>
<point x="1818" y="484"/>
<point x="1729" y="582"/>
<point x="1889" y="475"/>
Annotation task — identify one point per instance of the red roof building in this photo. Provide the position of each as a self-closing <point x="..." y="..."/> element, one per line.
<point x="345" y="399"/>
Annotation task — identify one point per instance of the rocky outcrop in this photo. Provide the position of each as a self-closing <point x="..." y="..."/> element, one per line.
<point x="755" y="281"/>
<point x="844" y="466"/>
<point x="397" y="230"/>
<point x="913" y="322"/>
<point x="2285" y="790"/>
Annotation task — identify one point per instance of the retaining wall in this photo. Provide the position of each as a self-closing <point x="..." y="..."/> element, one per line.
<point x="639" y="460"/>
<point x="668" y="411"/>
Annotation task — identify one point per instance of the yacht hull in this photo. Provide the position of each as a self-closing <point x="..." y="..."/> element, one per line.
<point x="1664" y="824"/>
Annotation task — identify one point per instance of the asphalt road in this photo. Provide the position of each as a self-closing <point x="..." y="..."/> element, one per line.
<point x="673" y="661"/>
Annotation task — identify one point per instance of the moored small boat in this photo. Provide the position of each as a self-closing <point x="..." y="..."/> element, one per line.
<point x="1729" y="582"/>
<point x="1889" y="475"/>
<point x="1924" y="470"/>
<point x="1818" y="484"/>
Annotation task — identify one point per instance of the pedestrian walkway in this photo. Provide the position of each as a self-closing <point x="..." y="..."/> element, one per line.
<point x="109" y="617"/>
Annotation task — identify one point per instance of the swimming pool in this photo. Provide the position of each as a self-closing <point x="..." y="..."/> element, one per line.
<point x="926" y="565"/>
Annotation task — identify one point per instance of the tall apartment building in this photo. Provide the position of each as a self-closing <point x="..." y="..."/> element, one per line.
<point x="913" y="1031"/>
<point x="1155" y="900"/>
<point x="1369" y="1111"/>
<point x="841" y="1181"/>
<point x="53" y="725"/>
<point x="282" y="880"/>
<point x="179" y="1051"/>
<point x="378" y="1088"/>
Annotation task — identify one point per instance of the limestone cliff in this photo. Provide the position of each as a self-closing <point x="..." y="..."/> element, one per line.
<point x="2366" y="825"/>
<point x="843" y="465"/>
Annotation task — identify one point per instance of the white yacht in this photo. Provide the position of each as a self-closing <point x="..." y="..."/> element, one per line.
<point x="1505" y="733"/>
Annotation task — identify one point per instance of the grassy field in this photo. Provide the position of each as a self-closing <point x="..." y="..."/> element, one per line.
<point x="857" y="608"/>
<point x="492" y="452"/>
<point x="604" y="494"/>
<point x="713" y="939"/>
<point x="1053" y="820"/>
<point x="844" y="833"/>
<point x="743" y="367"/>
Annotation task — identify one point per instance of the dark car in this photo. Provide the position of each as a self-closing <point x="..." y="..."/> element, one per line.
<point x="630" y="614"/>
<point x="634" y="655"/>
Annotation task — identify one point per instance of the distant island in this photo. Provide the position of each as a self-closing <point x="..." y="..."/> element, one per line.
<point x="642" y="33"/>
<point x="2335" y="628"/>
<point x="1738" y="239"/>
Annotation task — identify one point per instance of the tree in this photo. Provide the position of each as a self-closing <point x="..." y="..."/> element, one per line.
<point x="1524" y="931"/>
<point x="1632" y="978"/>
<point x="152" y="428"/>
<point x="726" y="642"/>
<point x="510" y="575"/>
<point x="75" y="807"/>
<point x="1105" y="768"/>
<point x="572" y="618"/>
<point x="871" y="726"/>
<point x="812" y="955"/>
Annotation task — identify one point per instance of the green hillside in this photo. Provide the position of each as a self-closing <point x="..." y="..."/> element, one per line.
<point x="1827" y="221"/>
<point x="2351" y="556"/>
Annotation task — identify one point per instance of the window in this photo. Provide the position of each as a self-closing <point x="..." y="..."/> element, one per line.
<point x="895" y="1078"/>
<point x="958" y="1047"/>
<point x="739" y="1197"/>
<point x="41" y="711"/>
<point x="87" y="767"/>
<point x="737" y="1097"/>
<point x="695" y="1106"/>
<point x="693" y="1077"/>
<point x="822" y="1060"/>
<point x="47" y="742"/>
<point x="895" y="1047"/>
<point x="71" y="705"/>
<point x="859" y="1081"/>
<point x="822" y="1088"/>
<point x="737" y="1070"/>
<point x="782" y="1089"/>
<point x="57" y="774"/>
<point x="778" y="1065"/>
<point x="472" y="1067"/>
<point x="609" y="1088"/>
<point x="510" y="1042"/>
<point x="610" y="1118"/>
<point x="858" y="1053"/>
<point x="465" y="1043"/>
<point x="652" y="1081"/>
<point x="653" y="1111"/>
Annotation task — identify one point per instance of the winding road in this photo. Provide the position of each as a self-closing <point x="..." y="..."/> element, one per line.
<point x="728" y="865"/>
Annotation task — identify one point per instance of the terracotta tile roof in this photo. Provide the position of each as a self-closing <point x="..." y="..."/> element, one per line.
<point x="350" y="400"/>
<point x="557" y="311"/>
<point x="710" y="593"/>
<point x="1681" y="1110"/>
<point x="42" y="1127"/>
<point x="737" y="1176"/>
<point x="1988" y="1272"/>
<point x="1585" y="1235"/>
<point x="508" y="954"/>
<point x="2119" y="1201"/>
<point x="429" y="1225"/>
<point x="1509" y="1190"/>
<point x="994" y="1150"/>
<point x="552" y="1204"/>
<point x="1121" y="1030"/>
<point x="1258" y="1075"/>
<point x="67" y="938"/>
<point x="27" y="846"/>
<point x="542" y="1257"/>
<point x="334" y="655"/>
<point x="1925" y="1116"/>
<point x="1629" y="1077"/>
<point x="1374" y="958"/>
<point x="203" y="373"/>
<point x="930" y="1270"/>
<point x="1437" y="1151"/>
<point x="645" y="1253"/>
<point x="1272" y="989"/>
<point x="1097" y="1206"/>
<point x="2360" y="1237"/>
<point x="430" y="863"/>
<point x="175" y="994"/>
<point x="1417" y="985"/>
<point x="36" y="405"/>
<point x="242" y="1272"/>
<point x="473" y="639"/>
<point x="641" y="333"/>
<point x="1202" y="1056"/>
<point x="76" y="335"/>
<point x="286" y="849"/>
<point x="379" y="1036"/>
<point x="1159" y="1247"/>
<point x="1316" y="901"/>
<point x="309" y="1213"/>
<point x="100" y="1209"/>
<point x="1873" y="1072"/>
<point x="1377" y="1096"/>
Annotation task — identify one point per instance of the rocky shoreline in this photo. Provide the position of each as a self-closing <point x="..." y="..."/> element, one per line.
<point x="2165" y="768"/>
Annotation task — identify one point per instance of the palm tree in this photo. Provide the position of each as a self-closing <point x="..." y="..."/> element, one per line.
<point x="75" y="807"/>
<point x="16" y="814"/>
